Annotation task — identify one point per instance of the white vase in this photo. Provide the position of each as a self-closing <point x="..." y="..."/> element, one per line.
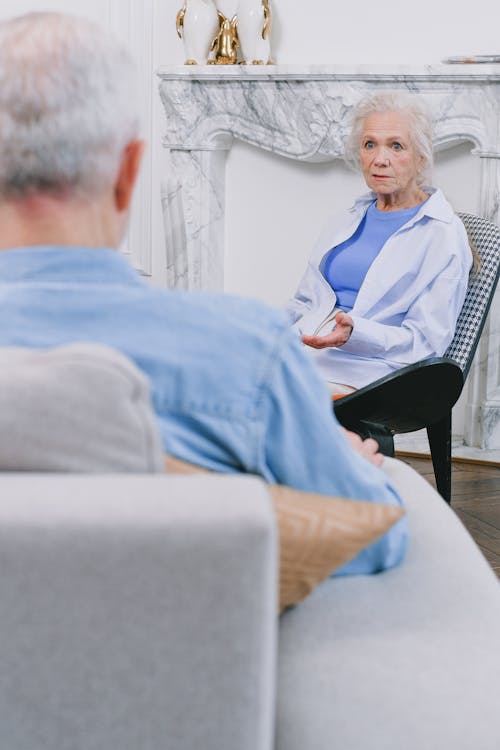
<point x="228" y="8"/>
<point x="253" y="32"/>
<point x="197" y="24"/>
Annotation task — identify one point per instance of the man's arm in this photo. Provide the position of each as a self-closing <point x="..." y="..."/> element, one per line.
<point x="303" y="446"/>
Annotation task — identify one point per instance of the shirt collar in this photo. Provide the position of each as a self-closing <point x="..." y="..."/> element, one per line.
<point x="63" y="264"/>
<point x="436" y="207"/>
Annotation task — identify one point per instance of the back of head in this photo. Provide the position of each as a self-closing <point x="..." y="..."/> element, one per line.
<point x="411" y="105"/>
<point x="67" y="105"/>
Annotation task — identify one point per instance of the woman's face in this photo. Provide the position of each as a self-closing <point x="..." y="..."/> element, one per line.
<point x="389" y="159"/>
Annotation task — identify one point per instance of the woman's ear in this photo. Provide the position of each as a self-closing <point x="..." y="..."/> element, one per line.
<point x="127" y="174"/>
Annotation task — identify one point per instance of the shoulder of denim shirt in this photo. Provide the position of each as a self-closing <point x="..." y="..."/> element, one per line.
<point x="228" y="309"/>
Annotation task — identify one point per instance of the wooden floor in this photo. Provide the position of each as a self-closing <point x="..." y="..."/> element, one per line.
<point x="475" y="497"/>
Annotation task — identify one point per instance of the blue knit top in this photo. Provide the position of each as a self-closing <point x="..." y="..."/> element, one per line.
<point x="346" y="265"/>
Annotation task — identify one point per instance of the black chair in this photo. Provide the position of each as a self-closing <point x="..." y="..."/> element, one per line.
<point x="423" y="394"/>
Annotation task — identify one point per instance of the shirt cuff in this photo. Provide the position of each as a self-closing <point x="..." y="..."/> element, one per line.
<point x="365" y="338"/>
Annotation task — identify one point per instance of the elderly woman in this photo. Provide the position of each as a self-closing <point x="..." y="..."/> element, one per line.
<point x="387" y="278"/>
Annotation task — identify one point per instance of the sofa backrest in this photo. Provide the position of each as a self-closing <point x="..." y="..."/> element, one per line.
<point x="76" y="408"/>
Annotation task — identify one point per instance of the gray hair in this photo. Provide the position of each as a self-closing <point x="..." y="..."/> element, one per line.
<point x="394" y="101"/>
<point x="68" y="104"/>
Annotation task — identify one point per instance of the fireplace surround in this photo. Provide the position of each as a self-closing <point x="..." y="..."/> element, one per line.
<point x="302" y="113"/>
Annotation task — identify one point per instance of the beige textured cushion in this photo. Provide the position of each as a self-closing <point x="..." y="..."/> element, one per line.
<point x="318" y="534"/>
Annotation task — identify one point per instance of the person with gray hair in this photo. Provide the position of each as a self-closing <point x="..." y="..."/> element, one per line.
<point x="231" y="386"/>
<point x="387" y="279"/>
<point x="85" y="113"/>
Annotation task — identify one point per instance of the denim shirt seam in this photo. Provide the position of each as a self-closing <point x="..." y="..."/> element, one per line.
<point x="262" y="396"/>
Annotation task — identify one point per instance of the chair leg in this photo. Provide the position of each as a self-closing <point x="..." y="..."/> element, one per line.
<point x="440" y="444"/>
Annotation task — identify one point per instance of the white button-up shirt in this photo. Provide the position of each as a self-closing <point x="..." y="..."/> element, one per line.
<point x="408" y="303"/>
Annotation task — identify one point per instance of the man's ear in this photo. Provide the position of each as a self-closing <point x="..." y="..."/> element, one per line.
<point x="127" y="174"/>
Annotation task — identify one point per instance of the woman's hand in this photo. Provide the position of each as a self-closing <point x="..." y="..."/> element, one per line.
<point x="337" y="337"/>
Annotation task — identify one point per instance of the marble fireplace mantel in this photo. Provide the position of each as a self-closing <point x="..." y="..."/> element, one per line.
<point x="302" y="113"/>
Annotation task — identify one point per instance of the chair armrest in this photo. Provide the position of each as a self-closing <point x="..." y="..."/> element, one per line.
<point x="137" y="612"/>
<point x="409" y="399"/>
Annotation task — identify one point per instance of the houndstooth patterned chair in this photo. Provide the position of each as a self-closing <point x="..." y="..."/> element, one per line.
<point x="423" y="394"/>
<point x="485" y="236"/>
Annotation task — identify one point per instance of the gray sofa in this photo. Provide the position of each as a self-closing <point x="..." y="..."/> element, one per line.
<point x="138" y="609"/>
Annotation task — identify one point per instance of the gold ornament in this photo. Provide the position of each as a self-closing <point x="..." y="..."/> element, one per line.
<point x="266" y="29"/>
<point x="179" y="21"/>
<point x="226" y="42"/>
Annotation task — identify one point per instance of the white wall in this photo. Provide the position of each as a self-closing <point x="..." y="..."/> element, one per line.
<point x="322" y="31"/>
<point x="274" y="206"/>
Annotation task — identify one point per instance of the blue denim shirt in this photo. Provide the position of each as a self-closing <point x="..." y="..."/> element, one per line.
<point x="231" y="385"/>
